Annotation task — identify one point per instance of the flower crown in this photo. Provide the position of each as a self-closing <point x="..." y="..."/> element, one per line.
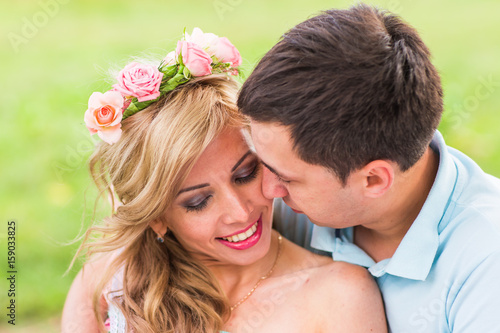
<point x="139" y="85"/>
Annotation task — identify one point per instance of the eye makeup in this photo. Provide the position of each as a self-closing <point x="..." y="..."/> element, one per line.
<point x="198" y="203"/>
<point x="248" y="173"/>
<point x="244" y="175"/>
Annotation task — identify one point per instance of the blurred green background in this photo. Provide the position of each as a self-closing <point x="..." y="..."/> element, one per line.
<point x="55" y="53"/>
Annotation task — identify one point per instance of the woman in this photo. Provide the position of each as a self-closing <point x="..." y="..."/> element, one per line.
<point x="191" y="247"/>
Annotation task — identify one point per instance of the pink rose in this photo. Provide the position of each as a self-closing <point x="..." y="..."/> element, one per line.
<point x="207" y="41"/>
<point x="226" y="52"/>
<point x="104" y="115"/>
<point x="194" y="58"/>
<point x="139" y="80"/>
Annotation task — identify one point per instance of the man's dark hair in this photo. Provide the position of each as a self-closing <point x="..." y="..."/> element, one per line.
<point x="353" y="86"/>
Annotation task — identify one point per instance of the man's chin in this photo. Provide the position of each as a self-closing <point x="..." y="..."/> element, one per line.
<point x="327" y="224"/>
<point x="321" y="224"/>
<point x="297" y="211"/>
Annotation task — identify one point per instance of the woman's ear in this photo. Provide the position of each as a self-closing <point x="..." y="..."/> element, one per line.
<point x="159" y="227"/>
<point x="378" y="177"/>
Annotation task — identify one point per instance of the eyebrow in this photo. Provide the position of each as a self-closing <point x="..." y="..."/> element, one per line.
<point x="195" y="187"/>
<point x="241" y="160"/>
<point x="274" y="171"/>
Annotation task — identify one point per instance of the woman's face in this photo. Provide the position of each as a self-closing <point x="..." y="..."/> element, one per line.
<point x="220" y="215"/>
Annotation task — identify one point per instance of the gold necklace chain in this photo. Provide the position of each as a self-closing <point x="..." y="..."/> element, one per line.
<point x="262" y="278"/>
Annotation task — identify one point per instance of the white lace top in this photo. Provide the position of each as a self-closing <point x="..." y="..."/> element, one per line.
<point x="117" y="323"/>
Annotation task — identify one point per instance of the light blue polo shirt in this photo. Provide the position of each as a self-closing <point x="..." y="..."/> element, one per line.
<point x="445" y="274"/>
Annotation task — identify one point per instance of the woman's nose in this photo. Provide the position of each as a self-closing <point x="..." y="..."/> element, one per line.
<point x="238" y="207"/>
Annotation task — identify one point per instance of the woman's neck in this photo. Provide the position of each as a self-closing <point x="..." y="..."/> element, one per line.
<point x="236" y="281"/>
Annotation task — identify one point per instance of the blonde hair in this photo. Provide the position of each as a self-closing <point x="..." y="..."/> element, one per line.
<point x="164" y="288"/>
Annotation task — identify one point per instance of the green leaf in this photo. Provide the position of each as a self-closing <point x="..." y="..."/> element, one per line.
<point x="169" y="71"/>
<point x="130" y="111"/>
<point x="186" y="73"/>
<point x="177" y="80"/>
<point x="136" y="106"/>
<point x="179" y="58"/>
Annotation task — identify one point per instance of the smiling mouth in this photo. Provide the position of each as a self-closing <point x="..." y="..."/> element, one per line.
<point x="243" y="235"/>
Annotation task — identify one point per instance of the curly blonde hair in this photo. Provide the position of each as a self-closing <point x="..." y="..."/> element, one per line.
<point x="164" y="288"/>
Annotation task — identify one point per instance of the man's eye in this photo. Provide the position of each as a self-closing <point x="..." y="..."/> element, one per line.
<point x="196" y="207"/>
<point x="281" y="180"/>
<point x="278" y="178"/>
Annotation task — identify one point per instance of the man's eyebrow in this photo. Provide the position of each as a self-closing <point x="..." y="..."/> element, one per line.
<point x="273" y="171"/>
<point x="241" y="160"/>
<point x="193" y="188"/>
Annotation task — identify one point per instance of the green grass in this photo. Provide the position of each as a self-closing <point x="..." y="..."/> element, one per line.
<point x="47" y="82"/>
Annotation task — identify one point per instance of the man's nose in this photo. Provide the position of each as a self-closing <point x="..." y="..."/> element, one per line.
<point x="271" y="186"/>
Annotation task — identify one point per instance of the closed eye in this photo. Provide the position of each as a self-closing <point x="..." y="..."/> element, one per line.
<point x="199" y="206"/>
<point x="278" y="177"/>
<point x="248" y="174"/>
<point x="243" y="175"/>
<point x="281" y="180"/>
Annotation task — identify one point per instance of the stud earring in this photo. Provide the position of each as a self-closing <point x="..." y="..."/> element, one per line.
<point x="160" y="237"/>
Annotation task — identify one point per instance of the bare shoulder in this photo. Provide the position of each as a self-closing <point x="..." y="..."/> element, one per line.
<point x="78" y="313"/>
<point x="324" y="274"/>
<point x="346" y="278"/>
<point x="353" y="297"/>
<point x="298" y="258"/>
<point x="340" y="297"/>
<point x="92" y="271"/>
<point x="325" y="271"/>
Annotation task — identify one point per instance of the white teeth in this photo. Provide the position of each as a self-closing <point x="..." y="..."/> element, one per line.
<point x="242" y="236"/>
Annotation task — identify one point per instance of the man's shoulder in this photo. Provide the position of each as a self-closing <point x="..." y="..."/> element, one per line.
<point x="474" y="183"/>
<point x="475" y="202"/>
<point x="472" y="231"/>
<point x="476" y="208"/>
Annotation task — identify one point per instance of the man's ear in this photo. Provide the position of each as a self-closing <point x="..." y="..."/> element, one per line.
<point x="378" y="177"/>
<point x="159" y="226"/>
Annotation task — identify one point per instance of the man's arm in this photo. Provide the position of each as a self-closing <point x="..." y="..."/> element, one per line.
<point x="476" y="306"/>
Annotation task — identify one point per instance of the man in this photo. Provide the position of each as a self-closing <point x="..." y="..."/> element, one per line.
<point x="344" y="115"/>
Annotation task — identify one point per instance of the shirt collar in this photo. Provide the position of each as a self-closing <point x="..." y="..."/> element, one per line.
<point x="415" y="255"/>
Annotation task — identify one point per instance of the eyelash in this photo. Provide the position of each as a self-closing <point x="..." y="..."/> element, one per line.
<point x="281" y="180"/>
<point x="248" y="178"/>
<point x="241" y="180"/>
<point x="199" y="206"/>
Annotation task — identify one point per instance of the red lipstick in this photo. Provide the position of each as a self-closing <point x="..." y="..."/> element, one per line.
<point x="247" y="243"/>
